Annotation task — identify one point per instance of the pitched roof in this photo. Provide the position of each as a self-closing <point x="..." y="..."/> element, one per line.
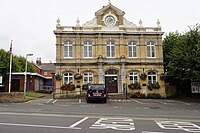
<point x="47" y="67"/>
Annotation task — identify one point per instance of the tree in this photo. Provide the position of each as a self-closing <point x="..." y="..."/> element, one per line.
<point x="182" y="58"/>
<point x="18" y="64"/>
<point x="182" y="54"/>
<point x="4" y="62"/>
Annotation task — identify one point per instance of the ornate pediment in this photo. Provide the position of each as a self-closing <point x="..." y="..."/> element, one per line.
<point x="128" y="24"/>
<point x="91" y="23"/>
<point x="117" y="10"/>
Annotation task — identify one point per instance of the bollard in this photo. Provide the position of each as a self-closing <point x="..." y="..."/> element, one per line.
<point x="79" y="100"/>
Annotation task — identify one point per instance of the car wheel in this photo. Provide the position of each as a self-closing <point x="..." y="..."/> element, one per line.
<point x="88" y="101"/>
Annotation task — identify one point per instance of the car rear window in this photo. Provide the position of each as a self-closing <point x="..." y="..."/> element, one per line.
<point x="97" y="87"/>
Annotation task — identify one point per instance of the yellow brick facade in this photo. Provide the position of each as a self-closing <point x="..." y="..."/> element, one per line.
<point x="99" y="64"/>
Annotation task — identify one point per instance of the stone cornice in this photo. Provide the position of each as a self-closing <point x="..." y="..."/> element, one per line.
<point x="108" y="63"/>
<point x="110" y="32"/>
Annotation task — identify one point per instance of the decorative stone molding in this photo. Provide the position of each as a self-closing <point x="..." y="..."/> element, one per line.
<point x="128" y="23"/>
<point x="77" y="22"/>
<point x="91" y="23"/>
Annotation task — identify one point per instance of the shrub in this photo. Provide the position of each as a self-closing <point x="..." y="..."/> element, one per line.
<point x="152" y="86"/>
<point x="154" y="95"/>
<point x="138" y="95"/>
<point x="133" y="95"/>
<point x="143" y="76"/>
<point x="68" y="87"/>
<point x="77" y="76"/>
<point x="58" y="77"/>
<point x="85" y="87"/>
<point x="135" y="85"/>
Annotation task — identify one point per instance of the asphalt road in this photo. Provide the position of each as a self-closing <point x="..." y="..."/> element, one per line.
<point x="48" y="115"/>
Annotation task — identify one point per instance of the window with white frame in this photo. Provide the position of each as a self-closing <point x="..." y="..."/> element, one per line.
<point x="133" y="77"/>
<point x="132" y="50"/>
<point x="68" y="78"/>
<point x="68" y="49"/>
<point x="45" y="73"/>
<point x="152" y="78"/>
<point x="87" y="78"/>
<point x="110" y="47"/>
<point x="87" y="49"/>
<point x="150" y="49"/>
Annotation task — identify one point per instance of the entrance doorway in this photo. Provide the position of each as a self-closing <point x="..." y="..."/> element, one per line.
<point x="111" y="81"/>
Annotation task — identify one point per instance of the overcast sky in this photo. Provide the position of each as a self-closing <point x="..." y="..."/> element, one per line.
<point x="30" y="23"/>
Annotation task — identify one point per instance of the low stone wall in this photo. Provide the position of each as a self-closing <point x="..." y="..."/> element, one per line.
<point x="12" y="97"/>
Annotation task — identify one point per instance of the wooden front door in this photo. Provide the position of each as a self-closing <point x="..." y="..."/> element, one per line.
<point x="111" y="84"/>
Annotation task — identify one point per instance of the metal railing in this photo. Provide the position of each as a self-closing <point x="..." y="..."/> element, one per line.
<point x="66" y="94"/>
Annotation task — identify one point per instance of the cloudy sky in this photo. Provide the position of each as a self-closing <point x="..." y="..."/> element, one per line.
<point x="30" y="23"/>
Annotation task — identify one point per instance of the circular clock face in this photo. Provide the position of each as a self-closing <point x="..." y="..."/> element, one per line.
<point x="109" y="20"/>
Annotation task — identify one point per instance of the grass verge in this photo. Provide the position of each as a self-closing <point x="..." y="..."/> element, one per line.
<point x="34" y="94"/>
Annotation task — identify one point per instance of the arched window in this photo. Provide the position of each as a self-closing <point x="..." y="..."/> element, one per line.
<point x="68" y="49"/>
<point x="88" y="78"/>
<point x="68" y="78"/>
<point x="150" y="49"/>
<point x="87" y="49"/>
<point x="110" y="47"/>
<point x="152" y="78"/>
<point x="133" y="77"/>
<point x="132" y="50"/>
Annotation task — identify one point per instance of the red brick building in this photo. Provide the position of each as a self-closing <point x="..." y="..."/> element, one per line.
<point x="41" y="80"/>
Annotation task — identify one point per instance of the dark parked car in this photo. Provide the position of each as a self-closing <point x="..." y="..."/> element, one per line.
<point x="96" y="92"/>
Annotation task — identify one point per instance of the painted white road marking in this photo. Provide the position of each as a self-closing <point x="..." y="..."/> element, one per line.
<point x="55" y="101"/>
<point x="137" y="101"/>
<point x="114" y="123"/>
<point x="38" y="126"/>
<point x="79" y="122"/>
<point x="151" y="132"/>
<point x="49" y="100"/>
<point x="176" y="125"/>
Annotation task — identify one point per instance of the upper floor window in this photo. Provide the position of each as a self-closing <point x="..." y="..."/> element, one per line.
<point x="68" y="78"/>
<point x="45" y="73"/>
<point x="132" y="51"/>
<point x="87" y="49"/>
<point x="150" y="49"/>
<point x="110" y="47"/>
<point x="133" y="77"/>
<point x="152" y="77"/>
<point x="68" y="49"/>
<point x="88" y="78"/>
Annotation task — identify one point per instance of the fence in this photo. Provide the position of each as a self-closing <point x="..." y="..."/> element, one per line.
<point x="66" y="94"/>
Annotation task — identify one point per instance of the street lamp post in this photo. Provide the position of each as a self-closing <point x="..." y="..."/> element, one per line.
<point x="53" y="84"/>
<point x="25" y="73"/>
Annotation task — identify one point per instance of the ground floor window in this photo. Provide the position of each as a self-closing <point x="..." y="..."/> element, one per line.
<point x="88" y="78"/>
<point x="68" y="78"/>
<point x="152" y="77"/>
<point x="133" y="77"/>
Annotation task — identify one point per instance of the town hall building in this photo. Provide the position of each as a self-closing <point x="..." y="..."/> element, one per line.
<point x="110" y="50"/>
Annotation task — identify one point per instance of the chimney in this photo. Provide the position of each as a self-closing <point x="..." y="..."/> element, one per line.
<point x="38" y="61"/>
